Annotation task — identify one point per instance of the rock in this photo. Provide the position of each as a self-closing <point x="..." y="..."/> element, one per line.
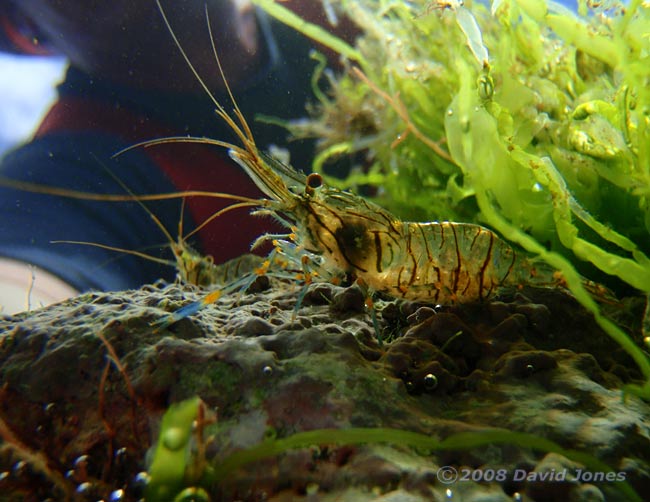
<point x="90" y="377"/>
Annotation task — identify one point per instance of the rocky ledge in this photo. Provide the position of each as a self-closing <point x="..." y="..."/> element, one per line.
<point x="85" y="383"/>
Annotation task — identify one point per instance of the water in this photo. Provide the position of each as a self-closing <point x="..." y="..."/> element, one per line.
<point x="26" y="92"/>
<point x="272" y="384"/>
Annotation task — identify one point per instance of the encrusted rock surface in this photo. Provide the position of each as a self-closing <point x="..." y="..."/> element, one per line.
<point x="535" y="363"/>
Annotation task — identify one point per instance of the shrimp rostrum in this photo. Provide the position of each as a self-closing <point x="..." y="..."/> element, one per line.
<point x="347" y="235"/>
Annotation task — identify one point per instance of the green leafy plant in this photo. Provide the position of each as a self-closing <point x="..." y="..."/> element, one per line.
<point x="528" y="117"/>
<point x="179" y="470"/>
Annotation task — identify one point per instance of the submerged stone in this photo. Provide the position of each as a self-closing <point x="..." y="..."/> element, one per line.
<point x="270" y="371"/>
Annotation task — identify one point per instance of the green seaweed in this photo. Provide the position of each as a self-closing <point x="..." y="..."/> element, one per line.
<point x="309" y="29"/>
<point x="173" y="472"/>
<point x="547" y="141"/>
<point x="177" y="466"/>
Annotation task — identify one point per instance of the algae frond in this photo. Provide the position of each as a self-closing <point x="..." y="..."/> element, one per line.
<point x="174" y="474"/>
<point x="547" y="141"/>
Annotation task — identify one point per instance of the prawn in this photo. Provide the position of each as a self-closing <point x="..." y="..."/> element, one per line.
<point x="341" y="234"/>
<point x="191" y="266"/>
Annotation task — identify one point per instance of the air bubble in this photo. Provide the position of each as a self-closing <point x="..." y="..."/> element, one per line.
<point x="80" y="470"/>
<point x="19" y="468"/>
<point x="84" y="487"/>
<point x="116" y="496"/>
<point x="174" y="438"/>
<point x="267" y="370"/>
<point x="430" y="381"/>
<point x="142" y="478"/>
<point x="449" y="494"/>
<point x="81" y="461"/>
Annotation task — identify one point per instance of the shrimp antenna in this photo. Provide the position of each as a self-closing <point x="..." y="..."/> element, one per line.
<point x="220" y="212"/>
<point x="247" y="155"/>
<point x="31" y="187"/>
<point x="240" y="115"/>
<point x="133" y="252"/>
<point x="128" y="190"/>
<point x="244" y="135"/>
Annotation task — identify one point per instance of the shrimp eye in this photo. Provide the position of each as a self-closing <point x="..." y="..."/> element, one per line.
<point x="314" y="180"/>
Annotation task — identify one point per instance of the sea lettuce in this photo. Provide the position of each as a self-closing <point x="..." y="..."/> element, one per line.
<point x="526" y="117"/>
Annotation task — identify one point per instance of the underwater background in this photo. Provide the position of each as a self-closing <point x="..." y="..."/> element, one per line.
<point x="522" y="116"/>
